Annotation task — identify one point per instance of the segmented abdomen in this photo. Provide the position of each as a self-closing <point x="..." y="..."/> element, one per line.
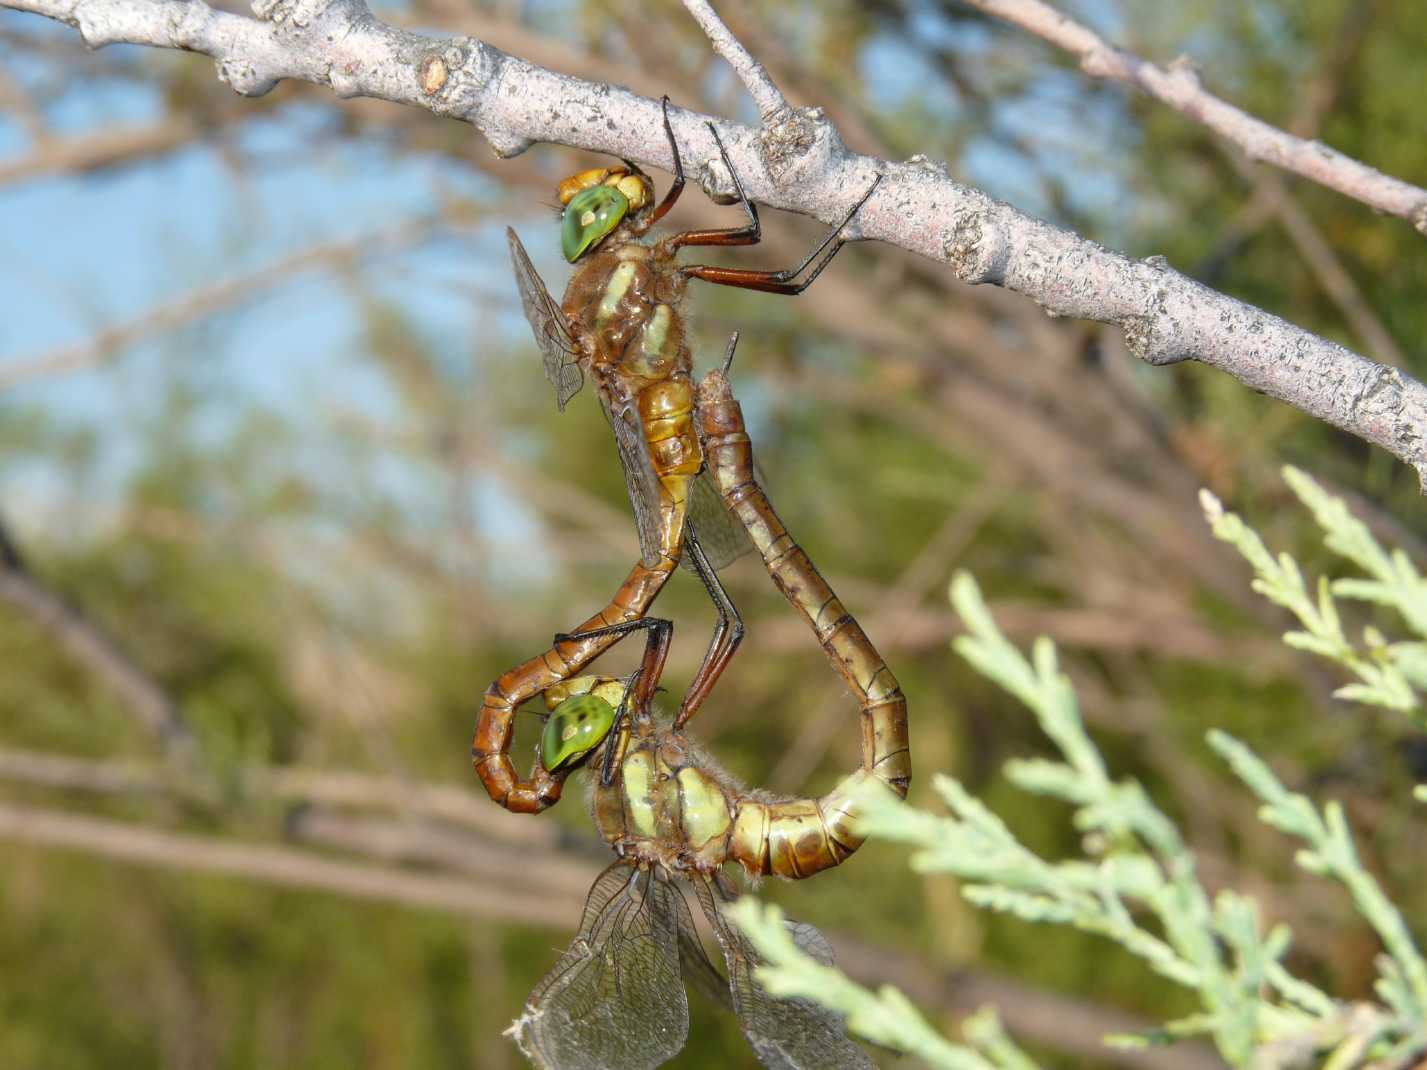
<point x="799" y="837"/>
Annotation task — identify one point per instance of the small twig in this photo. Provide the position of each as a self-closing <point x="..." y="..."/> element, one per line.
<point x="93" y="647"/>
<point x="281" y="865"/>
<point x="548" y="871"/>
<point x="83" y="153"/>
<point x="333" y="788"/>
<point x="14" y="97"/>
<point x="1179" y="87"/>
<point x="754" y="76"/>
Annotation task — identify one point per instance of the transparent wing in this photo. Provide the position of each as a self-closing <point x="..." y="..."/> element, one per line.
<point x="615" y="998"/>
<point x="723" y="538"/>
<point x="786" y="1034"/>
<point x="557" y="348"/>
<point x="645" y="493"/>
<point x="701" y="974"/>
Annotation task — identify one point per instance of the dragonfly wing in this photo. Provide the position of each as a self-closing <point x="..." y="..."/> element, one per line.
<point x="645" y="493"/>
<point x="552" y="333"/>
<point x="706" y="978"/>
<point x="615" y="998"/>
<point x="786" y="1034"/>
<point x="723" y="539"/>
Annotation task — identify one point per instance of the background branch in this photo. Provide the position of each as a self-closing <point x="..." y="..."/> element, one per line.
<point x="91" y="645"/>
<point x="1179" y="88"/>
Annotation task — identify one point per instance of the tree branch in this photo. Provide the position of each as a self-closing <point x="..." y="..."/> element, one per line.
<point x="797" y="163"/>
<point x="753" y="75"/>
<point x="79" y="154"/>
<point x="90" y="645"/>
<point x="1179" y="88"/>
<point x="279" y="865"/>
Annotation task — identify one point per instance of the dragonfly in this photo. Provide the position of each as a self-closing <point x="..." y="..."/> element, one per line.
<point x="621" y="324"/>
<point x="616" y="997"/>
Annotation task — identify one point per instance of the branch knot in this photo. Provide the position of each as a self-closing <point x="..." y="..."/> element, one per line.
<point x="977" y="249"/>
<point x="1149" y="335"/>
<point x="296" y="14"/>
<point x="1187" y="71"/>
<point x="456" y="78"/>
<point x="797" y="142"/>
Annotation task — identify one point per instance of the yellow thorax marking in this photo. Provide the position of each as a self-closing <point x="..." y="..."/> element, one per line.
<point x="619" y="282"/>
<point x="657" y="331"/>
<point x="639" y="793"/>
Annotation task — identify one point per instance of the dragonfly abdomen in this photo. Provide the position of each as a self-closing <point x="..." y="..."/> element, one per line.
<point x="801" y="836"/>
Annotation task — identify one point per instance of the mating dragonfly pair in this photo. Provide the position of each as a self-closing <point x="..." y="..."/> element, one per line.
<point x="614" y="999"/>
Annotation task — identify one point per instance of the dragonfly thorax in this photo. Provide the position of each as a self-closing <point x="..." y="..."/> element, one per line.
<point x="628" y="306"/>
<point x="665" y="806"/>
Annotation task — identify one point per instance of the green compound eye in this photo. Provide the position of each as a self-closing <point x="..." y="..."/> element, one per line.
<point x="576" y="727"/>
<point x="590" y="215"/>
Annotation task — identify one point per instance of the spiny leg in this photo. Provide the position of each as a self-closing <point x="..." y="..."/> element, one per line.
<point x="678" y="186"/>
<point x="727" y="636"/>
<point x="609" y="630"/>
<point x="717" y="658"/>
<point x="651" y="667"/>
<point x="751" y="233"/>
<point x="639" y="689"/>
<point x="611" y="751"/>
<point x="780" y="282"/>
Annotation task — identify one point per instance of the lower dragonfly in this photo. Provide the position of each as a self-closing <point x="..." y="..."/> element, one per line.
<point x="615" y="1000"/>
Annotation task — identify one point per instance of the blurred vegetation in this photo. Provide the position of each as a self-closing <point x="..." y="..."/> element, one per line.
<point x="323" y="552"/>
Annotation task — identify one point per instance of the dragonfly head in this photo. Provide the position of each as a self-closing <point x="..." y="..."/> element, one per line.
<point x="596" y="202"/>
<point x="578" y="724"/>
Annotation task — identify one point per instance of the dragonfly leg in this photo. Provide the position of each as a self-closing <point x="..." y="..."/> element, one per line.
<point x="495" y="726"/>
<point x="678" y="185"/>
<point x="801" y="836"/>
<point x="611" y="630"/>
<point x="639" y="691"/>
<point x="728" y="633"/>
<point x="727" y="636"/>
<point x="640" y="685"/>
<point x="780" y="282"/>
<point x="751" y="233"/>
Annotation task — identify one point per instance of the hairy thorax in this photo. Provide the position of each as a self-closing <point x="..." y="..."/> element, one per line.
<point x="665" y="807"/>
<point x="627" y="299"/>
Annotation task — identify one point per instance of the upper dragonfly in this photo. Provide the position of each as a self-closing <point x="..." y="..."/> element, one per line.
<point x="622" y="326"/>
